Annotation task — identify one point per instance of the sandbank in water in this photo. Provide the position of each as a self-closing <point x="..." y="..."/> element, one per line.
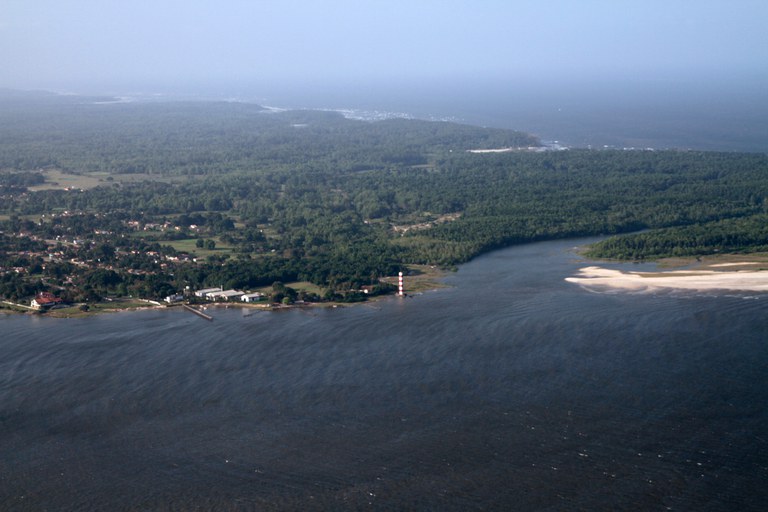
<point x="700" y="280"/>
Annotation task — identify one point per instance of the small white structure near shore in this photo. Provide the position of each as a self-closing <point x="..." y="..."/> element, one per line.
<point x="253" y="297"/>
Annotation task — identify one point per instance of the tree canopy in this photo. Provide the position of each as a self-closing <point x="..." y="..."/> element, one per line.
<point x="264" y="197"/>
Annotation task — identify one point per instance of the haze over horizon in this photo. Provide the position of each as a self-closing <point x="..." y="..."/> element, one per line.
<point x="679" y="73"/>
<point x="106" y="46"/>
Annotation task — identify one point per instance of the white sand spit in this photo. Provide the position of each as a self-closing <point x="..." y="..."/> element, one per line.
<point x="597" y="277"/>
<point x="745" y="263"/>
<point x="499" y="150"/>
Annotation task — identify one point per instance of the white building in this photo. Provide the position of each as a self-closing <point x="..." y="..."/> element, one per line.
<point x="171" y="299"/>
<point x="252" y="297"/>
<point x="206" y="291"/>
<point x="225" y="295"/>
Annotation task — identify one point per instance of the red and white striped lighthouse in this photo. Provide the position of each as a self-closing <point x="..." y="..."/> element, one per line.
<point x="400" y="284"/>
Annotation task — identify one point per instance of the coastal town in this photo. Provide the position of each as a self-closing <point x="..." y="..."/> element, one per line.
<point x="82" y="262"/>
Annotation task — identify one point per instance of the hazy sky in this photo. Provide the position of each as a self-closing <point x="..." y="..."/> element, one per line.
<point x="76" y="44"/>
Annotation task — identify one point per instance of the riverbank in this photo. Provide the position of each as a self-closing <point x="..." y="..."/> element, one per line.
<point x="420" y="279"/>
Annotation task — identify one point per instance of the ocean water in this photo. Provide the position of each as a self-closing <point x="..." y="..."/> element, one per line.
<point x="510" y="389"/>
<point x="715" y="114"/>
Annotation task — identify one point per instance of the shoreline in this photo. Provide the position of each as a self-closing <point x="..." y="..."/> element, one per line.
<point x="423" y="278"/>
<point x="73" y="312"/>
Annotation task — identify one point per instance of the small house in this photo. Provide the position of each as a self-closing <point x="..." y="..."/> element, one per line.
<point x="45" y="300"/>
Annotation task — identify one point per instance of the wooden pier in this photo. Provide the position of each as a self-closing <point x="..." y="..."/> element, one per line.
<point x="198" y="312"/>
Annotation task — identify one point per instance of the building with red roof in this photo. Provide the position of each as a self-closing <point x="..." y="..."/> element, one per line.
<point x="45" y="300"/>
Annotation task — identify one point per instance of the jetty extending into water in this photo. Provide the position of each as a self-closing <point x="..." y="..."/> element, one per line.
<point x="198" y="312"/>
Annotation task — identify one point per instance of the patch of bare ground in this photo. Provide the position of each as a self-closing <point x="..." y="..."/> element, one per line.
<point x="419" y="226"/>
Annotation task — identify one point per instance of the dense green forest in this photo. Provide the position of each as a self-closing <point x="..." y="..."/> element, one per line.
<point x="311" y="196"/>
<point x="739" y="235"/>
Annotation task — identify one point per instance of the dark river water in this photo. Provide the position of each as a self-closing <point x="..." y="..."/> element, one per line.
<point x="509" y="390"/>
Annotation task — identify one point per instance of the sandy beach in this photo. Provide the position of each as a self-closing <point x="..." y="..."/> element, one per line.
<point x="702" y="280"/>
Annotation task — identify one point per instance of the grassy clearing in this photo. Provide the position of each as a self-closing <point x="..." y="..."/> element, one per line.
<point x="218" y="251"/>
<point x="35" y="217"/>
<point x="121" y="304"/>
<point x="420" y="278"/>
<point x="188" y="245"/>
<point x="99" y="307"/>
<point x="107" y="178"/>
<point x="56" y="179"/>
<point x="306" y="286"/>
<point x="296" y="285"/>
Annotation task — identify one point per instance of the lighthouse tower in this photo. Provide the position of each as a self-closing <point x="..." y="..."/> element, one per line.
<point x="400" y="291"/>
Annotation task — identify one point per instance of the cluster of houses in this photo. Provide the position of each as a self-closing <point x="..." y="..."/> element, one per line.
<point x="220" y="295"/>
<point x="151" y="226"/>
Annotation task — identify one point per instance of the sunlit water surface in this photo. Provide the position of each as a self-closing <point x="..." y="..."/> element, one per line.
<point x="509" y="390"/>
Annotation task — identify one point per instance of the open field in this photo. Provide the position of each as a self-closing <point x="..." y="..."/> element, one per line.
<point x="188" y="245"/>
<point x="56" y="179"/>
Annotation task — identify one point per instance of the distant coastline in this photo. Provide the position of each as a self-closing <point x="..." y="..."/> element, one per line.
<point x="594" y="117"/>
